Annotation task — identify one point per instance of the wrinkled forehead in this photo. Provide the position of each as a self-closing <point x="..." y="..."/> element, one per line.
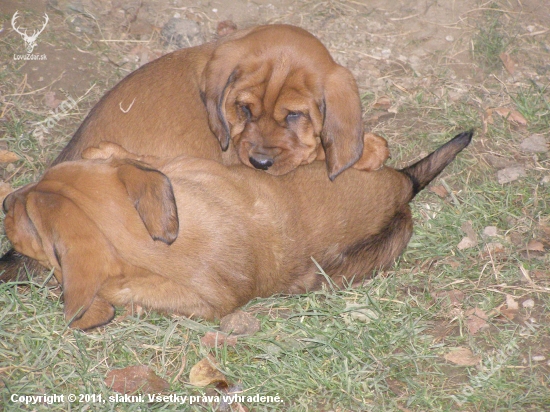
<point x="277" y="39"/>
<point x="76" y="168"/>
<point x="79" y="174"/>
<point x="274" y="85"/>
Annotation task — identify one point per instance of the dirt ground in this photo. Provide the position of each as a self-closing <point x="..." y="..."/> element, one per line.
<point x="425" y="69"/>
<point x="405" y="43"/>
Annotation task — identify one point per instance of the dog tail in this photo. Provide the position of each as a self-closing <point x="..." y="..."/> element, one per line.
<point x="424" y="171"/>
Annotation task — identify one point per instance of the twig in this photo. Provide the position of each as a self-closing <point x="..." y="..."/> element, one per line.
<point x="37" y="90"/>
<point x="535" y="33"/>
<point x="129" y="107"/>
<point x="404" y="18"/>
<point x="448" y="189"/>
<point x="124" y="41"/>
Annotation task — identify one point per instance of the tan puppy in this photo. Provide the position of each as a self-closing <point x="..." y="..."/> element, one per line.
<point x="197" y="238"/>
<point x="274" y="91"/>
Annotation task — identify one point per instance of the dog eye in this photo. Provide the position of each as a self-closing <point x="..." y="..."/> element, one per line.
<point x="246" y="111"/>
<point x="291" y="116"/>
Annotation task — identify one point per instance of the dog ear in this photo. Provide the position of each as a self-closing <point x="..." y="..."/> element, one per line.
<point x="19" y="227"/>
<point x="218" y="77"/>
<point x="342" y="133"/>
<point x="153" y="197"/>
<point x="80" y="258"/>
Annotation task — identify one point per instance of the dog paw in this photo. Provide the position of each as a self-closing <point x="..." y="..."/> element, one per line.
<point x="375" y="153"/>
<point x="98" y="314"/>
<point x="106" y="150"/>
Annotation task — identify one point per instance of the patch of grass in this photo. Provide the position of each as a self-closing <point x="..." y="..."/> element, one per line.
<point x="533" y="103"/>
<point x="490" y="41"/>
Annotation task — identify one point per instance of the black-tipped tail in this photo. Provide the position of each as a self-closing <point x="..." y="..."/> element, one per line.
<point x="424" y="171"/>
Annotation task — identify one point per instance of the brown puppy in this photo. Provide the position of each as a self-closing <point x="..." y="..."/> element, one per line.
<point x="268" y="97"/>
<point x="197" y="238"/>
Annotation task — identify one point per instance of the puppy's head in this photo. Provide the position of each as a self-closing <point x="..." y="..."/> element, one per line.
<point x="70" y="220"/>
<point x="276" y="91"/>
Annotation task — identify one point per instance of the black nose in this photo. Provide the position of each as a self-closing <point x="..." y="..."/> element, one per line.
<point x="261" y="162"/>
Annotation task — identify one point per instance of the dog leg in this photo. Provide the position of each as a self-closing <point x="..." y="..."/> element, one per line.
<point x="375" y="153"/>
<point x="359" y="261"/>
<point x="99" y="313"/>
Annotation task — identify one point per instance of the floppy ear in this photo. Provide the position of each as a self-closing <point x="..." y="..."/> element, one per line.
<point x="19" y="227"/>
<point x="218" y="77"/>
<point x="220" y="73"/>
<point x="81" y="258"/>
<point x="342" y="133"/>
<point x="153" y="197"/>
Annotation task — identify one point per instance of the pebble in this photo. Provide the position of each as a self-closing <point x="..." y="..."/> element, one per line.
<point x="534" y="144"/>
<point x="490" y="231"/>
<point x="181" y="32"/>
<point x="385" y="53"/>
<point x="510" y="174"/>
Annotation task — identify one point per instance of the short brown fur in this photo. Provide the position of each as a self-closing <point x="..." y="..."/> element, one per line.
<point x="190" y="102"/>
<point x="229" y="101"/>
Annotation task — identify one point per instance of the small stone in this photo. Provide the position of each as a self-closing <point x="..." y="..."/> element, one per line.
<point x="499" y="162"/>
<point x="534" y="144"/>
<point x="510" y="174"/>
<point x="490" y="231"/>
<point x="239" y="323"/>
<point x="226" y="27"/>
<point x="181" y="32"/>
<point x="359" y="312"/>
<point x="449" y="38"/>
<point x="529" y="303"/>
<point x="466" y="243"/>
<point x="494" y="247"/>
<point x="538" y="358"/>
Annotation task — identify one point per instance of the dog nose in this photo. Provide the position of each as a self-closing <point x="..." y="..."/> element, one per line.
<point x="260" y="161"/>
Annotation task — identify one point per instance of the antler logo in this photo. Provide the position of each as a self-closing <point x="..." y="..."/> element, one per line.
<point x="30" y="41"/>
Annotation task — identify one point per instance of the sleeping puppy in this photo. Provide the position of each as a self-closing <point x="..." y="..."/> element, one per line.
<point x="269" y="97"/>
<point x="197" y="238"/>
